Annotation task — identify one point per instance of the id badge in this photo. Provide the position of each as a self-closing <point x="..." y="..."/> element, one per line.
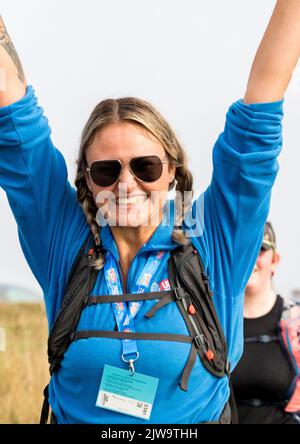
<point x="130" y="394"/>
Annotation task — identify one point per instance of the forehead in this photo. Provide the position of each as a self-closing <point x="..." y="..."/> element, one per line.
<point x="123" y="141"/>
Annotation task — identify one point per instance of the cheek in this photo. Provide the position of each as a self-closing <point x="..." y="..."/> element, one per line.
<point x="260" y="261"/>
<point x="158" y="190"/>
<point x="264" y="263"/>
<point x="162" y="184"/>
<point x="103" y="195"/>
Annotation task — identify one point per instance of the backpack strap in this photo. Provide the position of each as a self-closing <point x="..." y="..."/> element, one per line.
<point x="45" y="407"/>
<point x="186" y="271"/>
<point x="82" y="280"/>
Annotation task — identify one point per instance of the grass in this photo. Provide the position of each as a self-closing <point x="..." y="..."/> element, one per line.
<point x="23" y="365"/>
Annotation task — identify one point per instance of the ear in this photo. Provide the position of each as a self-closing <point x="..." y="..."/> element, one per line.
<point x="172" y="171"/>
<point x="171" y="184"/>
<point x="88" y="180"/>
<point x="275" y="262"/>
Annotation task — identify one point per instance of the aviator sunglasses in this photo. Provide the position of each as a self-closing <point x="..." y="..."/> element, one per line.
<point x="267" y="245"/>
<point x="145" y="168"/>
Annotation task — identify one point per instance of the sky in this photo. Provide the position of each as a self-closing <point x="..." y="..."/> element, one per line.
<point x="190" y="59"/>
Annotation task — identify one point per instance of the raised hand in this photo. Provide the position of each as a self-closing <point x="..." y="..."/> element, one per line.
<point x="277" y="54"/>
<point x="13" y="82"/>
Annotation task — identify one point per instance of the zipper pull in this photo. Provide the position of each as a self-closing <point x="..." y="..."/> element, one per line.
<point x="192" y="309"/>
<point x="203" y="343"/>
<point x="210" y="355"/>
<point x="190" y="306"/>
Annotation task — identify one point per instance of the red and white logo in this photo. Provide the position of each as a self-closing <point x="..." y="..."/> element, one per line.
<point x="164" y="285"/>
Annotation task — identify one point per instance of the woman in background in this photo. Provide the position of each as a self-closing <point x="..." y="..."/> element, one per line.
<point x="266" y="381"/>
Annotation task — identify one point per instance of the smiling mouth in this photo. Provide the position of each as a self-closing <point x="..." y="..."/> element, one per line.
<point x="132" y="200"/>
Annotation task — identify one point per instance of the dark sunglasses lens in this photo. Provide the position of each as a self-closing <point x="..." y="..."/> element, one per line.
<point x="265" y="247"/>
<point x="147" y="168"/>
<point x="105" y="172"/>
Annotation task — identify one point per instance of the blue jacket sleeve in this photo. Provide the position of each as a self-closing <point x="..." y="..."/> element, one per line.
<point x="34" y="176"/>
<point x="236" y="204"/>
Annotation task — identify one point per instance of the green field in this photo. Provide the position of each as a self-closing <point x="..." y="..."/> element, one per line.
<point x="23" y="365"/>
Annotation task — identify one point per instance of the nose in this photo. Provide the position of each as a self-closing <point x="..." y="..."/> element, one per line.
<point x="127" y="178"/>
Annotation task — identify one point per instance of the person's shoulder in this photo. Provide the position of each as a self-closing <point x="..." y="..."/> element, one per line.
<point x="290" y="308"/>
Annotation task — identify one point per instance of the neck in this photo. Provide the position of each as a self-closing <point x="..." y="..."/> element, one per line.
<point x="130" y="239"/>
<point x="259" y="303"/>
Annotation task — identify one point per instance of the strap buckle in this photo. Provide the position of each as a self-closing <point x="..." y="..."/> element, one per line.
<point x="201" y="342"/>
<point x="179" y="292"/>
<point x="254" y="402"/>
<point x="264" y="339"/>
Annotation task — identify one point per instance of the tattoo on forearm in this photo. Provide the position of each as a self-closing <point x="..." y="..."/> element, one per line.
<point x="7" y="44"/>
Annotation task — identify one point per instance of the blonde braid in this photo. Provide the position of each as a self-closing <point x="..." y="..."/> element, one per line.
<point x="184" y="183"/>
<point x="85" y="198"/>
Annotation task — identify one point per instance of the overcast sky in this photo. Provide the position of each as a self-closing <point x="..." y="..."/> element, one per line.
<point x="190" y="58"/>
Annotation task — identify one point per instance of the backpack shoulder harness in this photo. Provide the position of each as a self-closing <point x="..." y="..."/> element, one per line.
<point x="189" y="289"/>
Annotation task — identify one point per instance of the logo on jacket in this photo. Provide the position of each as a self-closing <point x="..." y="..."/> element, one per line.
<point x="154" y="287"/>
<point x="164" y="285"/>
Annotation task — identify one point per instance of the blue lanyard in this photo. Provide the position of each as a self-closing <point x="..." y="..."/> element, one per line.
<point x="124" y="314"/>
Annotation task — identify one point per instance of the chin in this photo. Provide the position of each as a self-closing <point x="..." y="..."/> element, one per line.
<point x="130" y="219"/>
<point x="251" y="287"/>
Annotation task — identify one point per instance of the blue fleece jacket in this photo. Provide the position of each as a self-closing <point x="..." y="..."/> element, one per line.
<point x="52" y="227"/>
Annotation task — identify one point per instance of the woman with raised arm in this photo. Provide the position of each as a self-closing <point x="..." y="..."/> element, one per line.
<point x="136" y="333"/>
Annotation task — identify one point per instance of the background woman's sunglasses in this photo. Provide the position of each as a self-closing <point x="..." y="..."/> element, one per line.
<point x="267" y="245"/>
<point x="145" y="168"/>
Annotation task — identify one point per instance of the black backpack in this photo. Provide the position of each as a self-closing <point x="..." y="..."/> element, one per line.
<point x="189" y="289"/>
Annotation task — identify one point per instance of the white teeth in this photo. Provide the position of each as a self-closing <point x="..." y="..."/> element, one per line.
<point x="134" y="200"/>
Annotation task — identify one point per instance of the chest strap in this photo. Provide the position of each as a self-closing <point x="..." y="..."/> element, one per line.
<point x="197" y="344"/>
<point x="263" y="339"/>
<point x="163" y="297"/>
<point x="255" y="402"/>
